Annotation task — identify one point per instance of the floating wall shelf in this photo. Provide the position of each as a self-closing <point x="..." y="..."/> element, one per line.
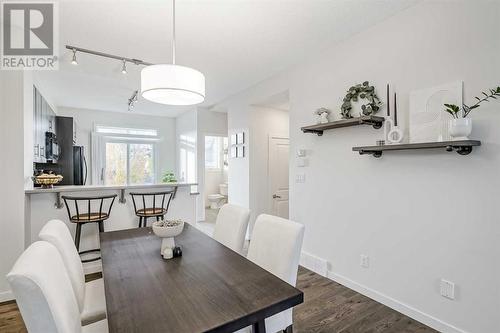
<point x="463" y="147"/>
<point x="374" y="121"/>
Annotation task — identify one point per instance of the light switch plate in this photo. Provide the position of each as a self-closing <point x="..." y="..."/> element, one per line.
<point x="301" y="162"/>
<point x="447" y="289"/>
<point x="364" y="261"/>
<point x="300" y="178"/>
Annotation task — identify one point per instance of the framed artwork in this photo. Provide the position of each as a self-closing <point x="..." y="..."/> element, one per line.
<point x="240" y="138"/>
<point x="240" y="151"/>
<point x="428" y="120"/>
<point x="234" y="151"/>
<point x="233" y="139"/>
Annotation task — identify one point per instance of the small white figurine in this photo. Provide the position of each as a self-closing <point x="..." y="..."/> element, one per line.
<point x="322" y="115"/>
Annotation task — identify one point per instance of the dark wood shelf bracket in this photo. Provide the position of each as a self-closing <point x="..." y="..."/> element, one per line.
<point x="376" y="154"/>
<point x="318" y="132"/>
<point x="461" y="150"/>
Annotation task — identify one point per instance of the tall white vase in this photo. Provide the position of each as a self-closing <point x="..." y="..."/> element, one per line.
<point x="460" y="128"/>
<point x="392" y="133"/>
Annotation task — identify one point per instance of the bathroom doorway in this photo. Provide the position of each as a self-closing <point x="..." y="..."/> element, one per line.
<point x="215" y="177"/>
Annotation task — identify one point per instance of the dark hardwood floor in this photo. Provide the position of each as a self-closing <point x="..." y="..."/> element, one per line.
<point x="328" y="307"/>
<point x="333" y="308"/>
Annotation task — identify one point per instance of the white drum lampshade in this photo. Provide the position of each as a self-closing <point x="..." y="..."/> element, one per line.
<point x="172" y="85"/>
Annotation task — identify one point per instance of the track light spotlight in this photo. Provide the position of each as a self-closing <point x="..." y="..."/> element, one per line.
<point x="124" y="67"/>
<point x="132" y="100"/>
<point x="73" y="61"/>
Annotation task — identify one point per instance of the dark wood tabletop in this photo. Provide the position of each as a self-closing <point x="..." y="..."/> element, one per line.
<point x="209" y="289"/>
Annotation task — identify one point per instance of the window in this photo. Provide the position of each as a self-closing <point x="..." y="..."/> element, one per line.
<point x="129" y="163"/>
<point x="126" y="131"/>
<point x="187" y="157"/>
<point x="213" y="146"/>
<point x="125" y="155"/>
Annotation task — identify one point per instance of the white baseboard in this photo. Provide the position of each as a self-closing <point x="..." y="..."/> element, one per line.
<point x="6" y="296"/>
<point x="313" y="263"/>
<point x="319" y="266"/>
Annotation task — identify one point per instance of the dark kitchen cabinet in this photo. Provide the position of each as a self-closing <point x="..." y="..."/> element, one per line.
<point x="44" y="120"/>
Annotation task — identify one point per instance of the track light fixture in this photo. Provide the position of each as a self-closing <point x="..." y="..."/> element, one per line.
<point x="73" y="61"/>
<point x="124" y="60"/>
<point x="124" y="67"/>
<point x="132" y="100"/>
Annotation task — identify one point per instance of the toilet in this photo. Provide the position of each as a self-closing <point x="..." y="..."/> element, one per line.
<point x="217" y="200"/>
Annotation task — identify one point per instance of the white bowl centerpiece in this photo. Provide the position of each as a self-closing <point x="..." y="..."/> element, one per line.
<point x="167" y="230"/>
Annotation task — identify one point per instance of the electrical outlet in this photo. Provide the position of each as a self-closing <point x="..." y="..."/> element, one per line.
<point x="364" y="261"/>
<point x="301" y="162"/>
<point x="447" y="289"/>
<point x="300" y="178"/>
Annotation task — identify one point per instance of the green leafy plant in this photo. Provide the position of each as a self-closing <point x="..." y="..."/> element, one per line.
<point x="169" y="177"/>
<point x="454" y="110"/>
<point x="360" y="91"/>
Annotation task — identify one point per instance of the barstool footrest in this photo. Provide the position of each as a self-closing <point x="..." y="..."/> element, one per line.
<point x="90" y="251"/>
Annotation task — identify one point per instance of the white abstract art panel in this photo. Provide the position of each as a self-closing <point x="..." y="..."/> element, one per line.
<point x="428" y="120"/>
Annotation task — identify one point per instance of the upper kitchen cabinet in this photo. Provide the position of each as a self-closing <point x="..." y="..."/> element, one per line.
<point x="43" y="121"/>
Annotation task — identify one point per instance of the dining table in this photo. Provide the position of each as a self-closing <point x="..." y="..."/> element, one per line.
<point x="210" y="288"/>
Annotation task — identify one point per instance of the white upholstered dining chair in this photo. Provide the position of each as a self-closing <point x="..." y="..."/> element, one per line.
<point x="89" y="296"/>
<point x="44" y="293"/>
<point x="231" y="226"/>
<point x="275" y="246"/>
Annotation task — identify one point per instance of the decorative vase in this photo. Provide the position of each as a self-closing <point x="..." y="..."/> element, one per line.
<point x="392" y="133"/>
<point x="323" y="118"/>
<point x="460" y="128"/>
<point x="322" y="115"/>
<point x="167" y="230"/>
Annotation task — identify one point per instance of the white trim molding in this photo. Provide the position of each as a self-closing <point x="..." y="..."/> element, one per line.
<point x="320" y="266"/>
<point x="313" y="263"/>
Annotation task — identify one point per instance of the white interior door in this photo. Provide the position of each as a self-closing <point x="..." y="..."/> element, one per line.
<point x="279" y="149"/>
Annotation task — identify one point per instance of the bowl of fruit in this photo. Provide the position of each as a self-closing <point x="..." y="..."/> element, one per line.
<point x="47" y="180"/>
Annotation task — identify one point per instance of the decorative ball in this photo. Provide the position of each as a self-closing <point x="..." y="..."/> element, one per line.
<point x="177" y="252"/>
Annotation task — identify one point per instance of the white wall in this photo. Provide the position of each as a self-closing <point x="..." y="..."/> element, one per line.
<point x="420" y="216"/>
<point x="265" y="122"/>
<point x="239" y="109"/>
<point x="86" y="119"/>
<point x="12" y="171"/>
<point x="191" y="128"/>
<point x="186" y="138"/>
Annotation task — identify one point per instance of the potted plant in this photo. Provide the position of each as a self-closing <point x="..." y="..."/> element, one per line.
<point x="322" y="115"/>
<point x="461" y="125"/>
<point x="169" y="177"/>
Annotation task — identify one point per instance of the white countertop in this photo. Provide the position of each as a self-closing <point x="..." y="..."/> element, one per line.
<point x="81" y="188"/>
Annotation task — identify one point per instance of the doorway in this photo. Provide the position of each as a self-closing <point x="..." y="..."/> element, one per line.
<point x="214" y="178"/>
<point x="278" y="166"/>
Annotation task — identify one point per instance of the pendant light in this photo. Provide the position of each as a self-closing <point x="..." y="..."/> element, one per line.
<point x="172" y="84"/>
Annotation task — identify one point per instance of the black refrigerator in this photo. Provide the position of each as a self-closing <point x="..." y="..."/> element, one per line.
<point x="79" y="166"/>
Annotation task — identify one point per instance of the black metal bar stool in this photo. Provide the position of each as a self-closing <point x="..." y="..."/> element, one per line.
<point x="158" y="211"/>
<point x="87" y="216"/>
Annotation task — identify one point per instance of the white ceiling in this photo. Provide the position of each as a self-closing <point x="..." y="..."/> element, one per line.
<point x="235" y="43"/>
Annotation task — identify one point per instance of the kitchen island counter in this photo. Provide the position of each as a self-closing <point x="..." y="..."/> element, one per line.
<point x="80" y="188"/>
